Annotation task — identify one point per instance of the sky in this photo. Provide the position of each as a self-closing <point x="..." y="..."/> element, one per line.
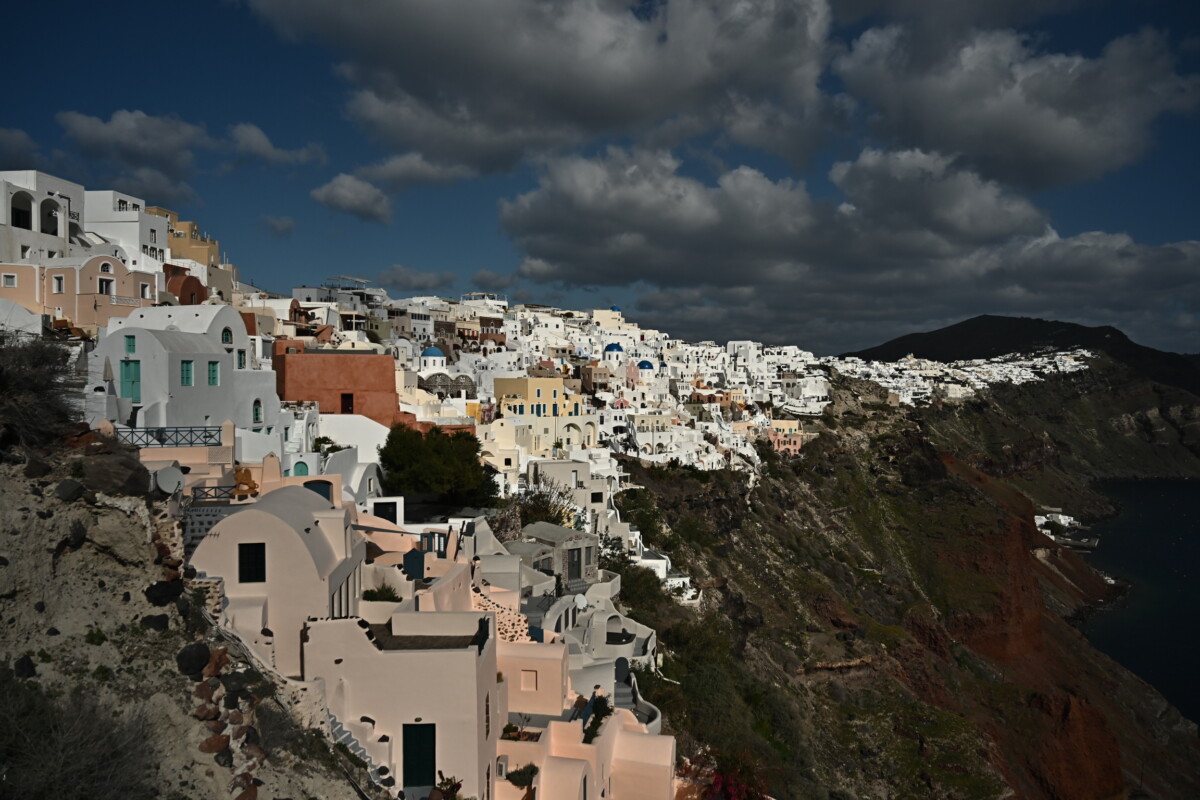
<point x="825" y="174"/>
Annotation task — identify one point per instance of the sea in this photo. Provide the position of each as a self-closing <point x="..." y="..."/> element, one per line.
<point x="1154" y="543"/>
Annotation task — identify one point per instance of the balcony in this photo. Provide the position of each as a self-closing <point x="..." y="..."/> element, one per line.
<point x="171" y="437"/>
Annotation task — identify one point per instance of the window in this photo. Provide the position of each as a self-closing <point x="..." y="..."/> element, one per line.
<point x="252" y="562"/>
<point x="130" y="344"/>
<point x="60" y="284"/>
<point x="25" y="251"/>
<point x="214" y="373"/>
<point x="554" y="394"/>
<point x="10" y="281"/>
<point x="539" y="392"/>
<point x="597" y="497"/>
<point x="106" y="267"/>
<point x="122" y="205"/>
<point x="105" y="286"/>
<point x="257" y="412"/>
<point x="487" y="716"/>
<point x="187" y="375"/>
<point x="241" y="362"/>
<point x="226" y="336"/>
<point x="145" y="291"/>
<point x="589" y="556"/>
<point x="153" y="236"/>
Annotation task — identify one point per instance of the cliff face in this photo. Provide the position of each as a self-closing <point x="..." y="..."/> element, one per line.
<point x="892" y="590"/>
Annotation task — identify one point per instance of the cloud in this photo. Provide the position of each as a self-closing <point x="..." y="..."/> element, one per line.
<point x="404" y="170"/>
<point x="17" y="150"/>
<point x="354" y="196"/>
<point x="280" y="227"/>
<point x="149" y="156"/>
<point x="914" y="241"/>
<point x="249" y="140"/>
<point x="486" y="85"/>
<point x="489" y="281"/>
<point x="1015" y="113"/>
<point x="406" y="279"/>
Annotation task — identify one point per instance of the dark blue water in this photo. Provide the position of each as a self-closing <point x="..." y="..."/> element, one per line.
<point x="1155" y="544"/>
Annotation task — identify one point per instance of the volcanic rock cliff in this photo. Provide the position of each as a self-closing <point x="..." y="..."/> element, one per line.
<point x="896" y="626"/>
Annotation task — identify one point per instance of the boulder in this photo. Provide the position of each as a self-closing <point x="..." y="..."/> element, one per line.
<point x="156" y="622"/>
<point x="254" y="751"/>
<point x="203" y="692"/>
<point x="235" y="717"/>
<point x="116" y="473"/>
<point x="163" y="592"/>
<point x="36" y="468"/>
<point x="24" y="667"/>
<point x="224" y="758"/>
<point x="250" y="793"/>
<point x="215" y="744"/>
<point x="217" y="661"/>
<point x="206" y="711"/>
<point x="192" y="658"/>
<point x="215" y="725"/>
<point x="69" y="490"/>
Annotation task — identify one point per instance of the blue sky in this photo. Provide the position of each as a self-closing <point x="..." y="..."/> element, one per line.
<point x="789" y="170"/>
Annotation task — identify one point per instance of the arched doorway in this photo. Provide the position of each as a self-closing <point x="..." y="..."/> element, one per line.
<point x="49" y="217"/>
<point x="20" y="213"/>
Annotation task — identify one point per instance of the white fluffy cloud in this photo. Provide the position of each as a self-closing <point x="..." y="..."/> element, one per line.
<point x="355" y="197"/>
<point x="280" y="227"/>
<point x="1014" y="112"/>
<point x="249" y="140"/>
<point x="398" y="172"/>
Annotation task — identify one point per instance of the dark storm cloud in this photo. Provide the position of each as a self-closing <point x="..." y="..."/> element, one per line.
<point x="1014" y="112"/>
<point x="914" y="241"/>
<point x="17" y="150"/>
<point x="154" y="157"/>
<point x="489" y="281"/>
<point x="407" y="279"/>
<point x="486" y="84"/>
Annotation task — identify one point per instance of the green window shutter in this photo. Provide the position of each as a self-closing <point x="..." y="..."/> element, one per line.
<point x="130" y="344"/>
<point x="214" y="373"/>
<point x="186" y="374"/>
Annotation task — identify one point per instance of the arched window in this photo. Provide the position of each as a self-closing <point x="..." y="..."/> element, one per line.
<point x="226" y="336"/>
<point x="257" y="412"/>
<point x="323" y="488"/>
<point x="300" y="468"/>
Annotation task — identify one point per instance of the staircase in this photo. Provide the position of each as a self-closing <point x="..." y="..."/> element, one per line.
<point x="341" y="734"/>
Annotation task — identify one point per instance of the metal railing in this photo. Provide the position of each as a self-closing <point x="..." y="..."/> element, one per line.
<point x="213" y="492"/>
<point x="171" y="437"/>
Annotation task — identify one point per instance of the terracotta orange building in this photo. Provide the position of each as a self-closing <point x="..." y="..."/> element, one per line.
<point x="340" y="381"/>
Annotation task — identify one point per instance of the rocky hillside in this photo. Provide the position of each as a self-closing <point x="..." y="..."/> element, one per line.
<point x="989" y="336"/>
<point x="882" y="618"/>
<point x="112" y="682"/>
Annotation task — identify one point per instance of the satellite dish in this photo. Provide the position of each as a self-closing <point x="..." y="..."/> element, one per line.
<point x="169" y="479"/>
<point x="581" y="602"/>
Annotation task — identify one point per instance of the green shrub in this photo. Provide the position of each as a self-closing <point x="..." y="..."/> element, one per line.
<point x="523" y="778"/>
<point x="382" y="594"/>
<point x="95" y="636"/>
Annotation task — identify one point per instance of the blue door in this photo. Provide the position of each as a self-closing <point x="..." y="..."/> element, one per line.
<point x="419" y="755"/>
<point x="131" y="380"/>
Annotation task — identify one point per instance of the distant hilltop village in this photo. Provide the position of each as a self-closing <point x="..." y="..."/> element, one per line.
<point x="262" y="416"/>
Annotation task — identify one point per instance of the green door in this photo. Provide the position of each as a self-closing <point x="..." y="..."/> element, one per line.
<point x="131" y="380"/>
<point x="419" y="755"/>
